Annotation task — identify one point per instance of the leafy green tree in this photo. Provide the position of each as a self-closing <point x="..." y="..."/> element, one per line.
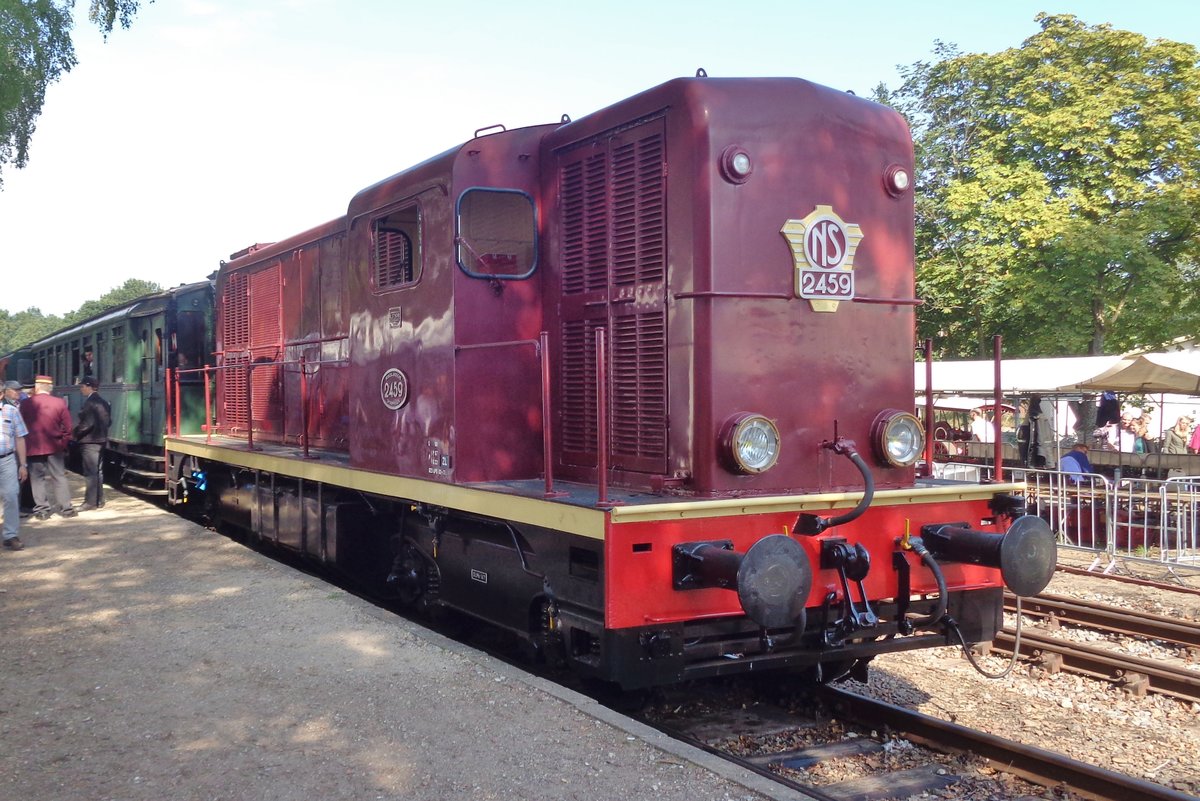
<point x="35" y="51"/>
<point x="22" y="328"/>
<point x="1058" y="191"/>
<point x="132" y="289"/>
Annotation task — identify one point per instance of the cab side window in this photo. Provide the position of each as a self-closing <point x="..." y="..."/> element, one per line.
<point x="396" y="249"/>
<point x="497" y="234"/>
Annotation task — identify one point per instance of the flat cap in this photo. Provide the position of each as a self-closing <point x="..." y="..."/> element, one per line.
<point x="12" y="385"/>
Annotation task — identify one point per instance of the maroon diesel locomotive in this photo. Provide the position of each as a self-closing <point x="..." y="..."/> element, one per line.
<point x="636" y="387"/>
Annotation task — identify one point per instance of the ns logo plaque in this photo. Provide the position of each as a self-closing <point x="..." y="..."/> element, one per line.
<point x="823" y="246"/>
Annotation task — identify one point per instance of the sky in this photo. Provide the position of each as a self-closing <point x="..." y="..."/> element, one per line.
<point x="213" y="124"/>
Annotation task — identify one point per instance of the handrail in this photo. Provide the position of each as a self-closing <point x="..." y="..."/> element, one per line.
<point x="601" y="419"/>
<point x="174" y="395"/>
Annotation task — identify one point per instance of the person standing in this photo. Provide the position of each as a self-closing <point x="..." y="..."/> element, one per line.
<point x="92" y="435"/>
<point x="48" y="422"/>
<point x="12" y="471"/>
<point x="1176" y="440"/>
<point x="982" y="429"/>
<point x="15" y="395"/>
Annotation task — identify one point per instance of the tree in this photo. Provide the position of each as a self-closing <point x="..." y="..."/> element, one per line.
<point x="22" y="328"/>
<point x="132" y="289"/>
<point x="1058" y="191"/>
<point x="35" y="51"/>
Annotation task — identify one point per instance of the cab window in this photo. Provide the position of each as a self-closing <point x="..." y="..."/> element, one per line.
<point x="396" y="249"/>
<point x="497" y="234"/>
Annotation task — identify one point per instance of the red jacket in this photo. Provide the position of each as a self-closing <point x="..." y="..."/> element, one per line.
<point x="49" y="424"/>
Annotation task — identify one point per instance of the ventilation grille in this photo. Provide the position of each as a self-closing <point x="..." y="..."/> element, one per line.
<point x="250" y="333"/>
<point x="264" y="310"/>
<point x="639" y="386"/>
<point x="234" y="407"/>
<point x="584" y="193"/>
<point x="393" y="257"/>
<point x="235" y="314"/>
<point x="579" y="386"/>
<point x="613" y="254"/>
<point x="638" y="230"/>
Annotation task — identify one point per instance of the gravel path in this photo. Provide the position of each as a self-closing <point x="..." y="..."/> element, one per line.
<point x="144" y="657"/>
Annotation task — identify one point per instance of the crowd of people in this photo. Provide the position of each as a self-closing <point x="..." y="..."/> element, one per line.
<point x="36" y="432"/>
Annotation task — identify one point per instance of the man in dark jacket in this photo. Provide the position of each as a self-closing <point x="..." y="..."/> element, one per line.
<point x="92" y="436"/>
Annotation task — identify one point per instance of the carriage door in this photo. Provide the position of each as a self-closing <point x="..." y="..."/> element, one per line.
<point x="150" y="383"/>
<point x="612" y="261"/>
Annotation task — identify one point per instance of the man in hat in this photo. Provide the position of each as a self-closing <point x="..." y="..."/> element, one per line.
<point x="12" y="470"/>
<point x="92" y="435"/>
<point x="13" y="394"/>
<point x="49" y="423"/>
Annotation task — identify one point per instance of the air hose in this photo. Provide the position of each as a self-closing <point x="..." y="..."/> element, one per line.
<point x="938" y="615"/>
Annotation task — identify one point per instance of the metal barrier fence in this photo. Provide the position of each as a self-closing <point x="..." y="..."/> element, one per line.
<point x="1133" y="519"/>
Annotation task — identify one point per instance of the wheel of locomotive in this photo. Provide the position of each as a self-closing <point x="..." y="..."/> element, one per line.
<point x="409" y="579"/>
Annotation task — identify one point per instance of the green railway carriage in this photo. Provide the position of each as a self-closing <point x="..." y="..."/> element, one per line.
<point x="129" y="350"/>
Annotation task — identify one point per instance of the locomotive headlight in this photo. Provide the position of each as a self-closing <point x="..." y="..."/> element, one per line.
<point x="898" y="437"/>
<point x="896" y="180"/>
<point x="750" y="443"/>
<point x="736" y="165"/>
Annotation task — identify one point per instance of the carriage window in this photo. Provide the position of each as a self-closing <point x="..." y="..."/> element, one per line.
<point x="158" y="354"/>
<point x="497" y="233"/>
<point x="102" y="362"/>
<point x="396" y="248"/>
<point x="118" y="355"/>
<point x="76" y="363"/>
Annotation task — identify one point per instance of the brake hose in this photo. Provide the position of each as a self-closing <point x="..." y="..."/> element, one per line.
<point x="810" y="524"/>
<point x="939" y="614"/>
<point x="971" y="657"/>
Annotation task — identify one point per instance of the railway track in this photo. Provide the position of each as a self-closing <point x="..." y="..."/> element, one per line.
<point x="1136" y="674"/>
<point x="735" y="734"/>
<point x="1141" y="582"/>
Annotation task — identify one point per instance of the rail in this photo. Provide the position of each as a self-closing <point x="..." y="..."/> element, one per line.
<point x="208" y="373"/>
<point x="1029" y="762"/>
<point x="541" y="346"/>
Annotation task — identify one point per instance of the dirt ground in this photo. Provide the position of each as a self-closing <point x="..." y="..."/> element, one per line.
<point x="144" y="657"/>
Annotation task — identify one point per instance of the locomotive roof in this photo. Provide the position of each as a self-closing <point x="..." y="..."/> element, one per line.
<point x="259" y="253"/>
<point x="707" y="94"/>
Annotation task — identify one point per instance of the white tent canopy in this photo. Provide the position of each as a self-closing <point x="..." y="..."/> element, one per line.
<point x="1017" y="376"/>
<point x="1176" y="372"/>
